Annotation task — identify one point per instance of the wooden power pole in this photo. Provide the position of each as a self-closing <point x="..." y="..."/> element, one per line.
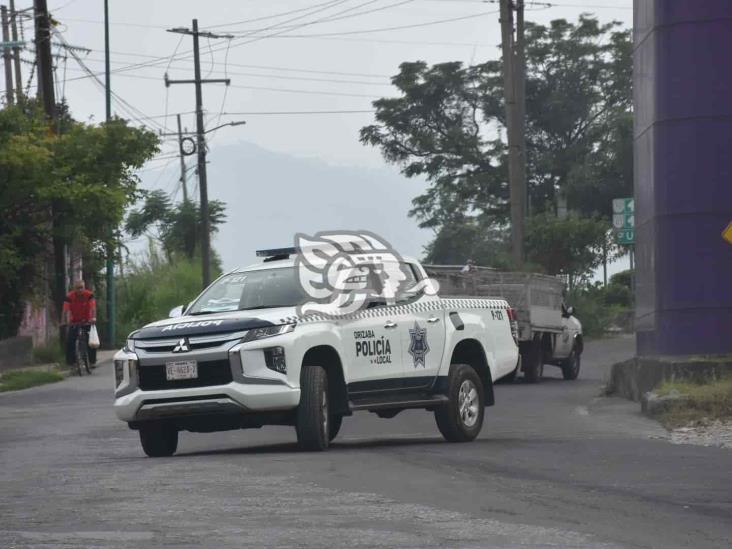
<point x="44" y="61"/>
<point x="201" y="139"/>
<point x="514" y="71"/>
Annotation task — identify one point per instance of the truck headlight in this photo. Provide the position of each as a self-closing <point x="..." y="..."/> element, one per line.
<point x="130" y="345"/>
<point x="119" y="370"/>
<point x="268" y="331"/>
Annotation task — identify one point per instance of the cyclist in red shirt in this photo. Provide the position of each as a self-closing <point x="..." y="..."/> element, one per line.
<point x="80" y="312"/>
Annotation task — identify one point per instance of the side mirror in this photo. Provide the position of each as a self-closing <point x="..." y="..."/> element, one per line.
<point x="175" y="312"/>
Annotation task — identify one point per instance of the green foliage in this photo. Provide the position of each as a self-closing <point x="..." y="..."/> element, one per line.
<point x="446" y="126"/>
<point x="178" y="226"/>
<point x="151" y="288"/>
<point x="454" y="244"/>
<point x="24" y="379"/>
<point x="572" y="246"/>
<point x="702" y="402"/>
<point x="51" y="353"/>
<point x="73" y="187"/>
<point x="623" y="278"/>
<point x="599" y="308"/>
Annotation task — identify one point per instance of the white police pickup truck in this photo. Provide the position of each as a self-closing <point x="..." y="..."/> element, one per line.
<point x="245" y="354"/>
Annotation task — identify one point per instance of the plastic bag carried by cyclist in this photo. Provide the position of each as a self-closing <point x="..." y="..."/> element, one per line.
<point x="80" y="312"/>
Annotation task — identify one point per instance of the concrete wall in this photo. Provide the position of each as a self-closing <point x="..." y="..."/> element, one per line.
<point x="15" y="352"/>
<point x="683" y="175"/>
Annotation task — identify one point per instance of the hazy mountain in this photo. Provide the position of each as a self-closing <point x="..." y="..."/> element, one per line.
<point x="270" y="196"/>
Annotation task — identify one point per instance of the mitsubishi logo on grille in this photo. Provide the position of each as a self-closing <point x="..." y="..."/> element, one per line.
<point x="183" y="346"/>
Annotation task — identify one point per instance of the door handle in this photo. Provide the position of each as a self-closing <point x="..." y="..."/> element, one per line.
<point x="390" y="324"/>
<point x="433" y="319"/>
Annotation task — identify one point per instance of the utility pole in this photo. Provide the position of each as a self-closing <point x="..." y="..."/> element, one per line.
<point x="7" y="57"/>
<point x="201" y="139"/>
<point x="182" y="160"/>
<point x="514" y="96"/>
<point x="16" y="51"/>
<point x="111" y="294"/>
<point x="44" y="61"/>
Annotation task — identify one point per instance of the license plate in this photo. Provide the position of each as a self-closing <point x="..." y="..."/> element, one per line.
<point x="186" y="369"/>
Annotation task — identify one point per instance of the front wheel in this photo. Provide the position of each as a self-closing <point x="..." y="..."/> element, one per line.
<point x="159" y="440"/>
<point x="571" y="366"/>
<point x="461" y="418"/>
<point x="313" y="421"/>
<point x="335" y="426"/>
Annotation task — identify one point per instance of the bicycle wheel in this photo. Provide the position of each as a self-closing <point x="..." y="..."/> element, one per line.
<point x="84" y="348"/>
<point x="79" y="359"/>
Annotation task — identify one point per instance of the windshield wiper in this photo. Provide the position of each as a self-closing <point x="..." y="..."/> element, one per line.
<point x="263" y="307"/>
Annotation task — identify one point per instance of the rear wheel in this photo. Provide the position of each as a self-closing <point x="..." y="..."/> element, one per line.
<point x="533" y="362"/>
<point x="571" y="366"/>
<point x="159" y="440"/>
<point x="313" y="422"/>
<point x="461" y="418"/>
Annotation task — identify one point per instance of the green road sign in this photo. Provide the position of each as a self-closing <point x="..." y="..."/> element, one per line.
<point x="625" y="236"/>
<point x="624" y="220"/>
<point x="623" y="206"/>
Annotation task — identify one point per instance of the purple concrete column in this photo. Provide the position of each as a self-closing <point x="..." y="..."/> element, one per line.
<point x="683" y="175"/>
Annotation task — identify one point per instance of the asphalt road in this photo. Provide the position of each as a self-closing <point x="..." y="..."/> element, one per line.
<point x="555" y="466"/>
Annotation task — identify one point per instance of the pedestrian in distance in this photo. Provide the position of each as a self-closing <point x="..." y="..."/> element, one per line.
<point x="79" y="313"/>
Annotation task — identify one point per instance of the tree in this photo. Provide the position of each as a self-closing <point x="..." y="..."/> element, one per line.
<point x="72" y="187"/>
<point x="573" y="246"/>
<point x="447" y="123"/>
<point x="178" y="226"/>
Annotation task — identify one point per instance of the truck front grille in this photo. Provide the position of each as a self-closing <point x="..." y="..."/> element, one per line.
<point x="212" y="372"/>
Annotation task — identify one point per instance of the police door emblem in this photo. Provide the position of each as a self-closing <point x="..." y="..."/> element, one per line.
<point x="183" y="346"/>
<point x="418" y="346"/>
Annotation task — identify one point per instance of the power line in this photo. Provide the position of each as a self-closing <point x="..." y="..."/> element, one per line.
<point x="334" y="18"/>
<point x="187" y="55"/>
<point x="278" y="113"/>
<point x="274" y="76"/>
<point x="399" y="27"/>
<point x="283" y="69"/>
<point x="245" y="87"/>
<point x="265" y="17"/>
<point x="131" y="111"/>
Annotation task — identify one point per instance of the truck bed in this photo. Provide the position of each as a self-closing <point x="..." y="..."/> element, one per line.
<point x="536" y="298"/>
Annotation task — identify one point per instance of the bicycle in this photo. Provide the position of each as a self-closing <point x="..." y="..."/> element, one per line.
<point x="81" y="348"/>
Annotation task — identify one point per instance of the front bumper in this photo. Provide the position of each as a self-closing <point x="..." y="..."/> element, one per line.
<point x="220" y="399"/>
<point x="253" y="388"/>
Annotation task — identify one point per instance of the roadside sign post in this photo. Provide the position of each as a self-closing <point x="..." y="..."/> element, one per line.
<point x="624" y="220"/>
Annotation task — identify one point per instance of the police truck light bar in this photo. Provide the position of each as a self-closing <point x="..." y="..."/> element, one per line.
<point x="276" y="252"/>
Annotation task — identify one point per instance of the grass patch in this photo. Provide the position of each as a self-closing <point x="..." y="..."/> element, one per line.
<point x="704" y="402"/>
<point x="23" y="379"/>
<point x="48" y="354"/>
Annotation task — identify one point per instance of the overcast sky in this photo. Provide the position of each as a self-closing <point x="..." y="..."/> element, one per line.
<point x="277" y="63"/>
<point x="286" y="55"/>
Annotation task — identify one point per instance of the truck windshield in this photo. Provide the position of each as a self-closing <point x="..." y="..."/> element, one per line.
<point x="263" y="289"/>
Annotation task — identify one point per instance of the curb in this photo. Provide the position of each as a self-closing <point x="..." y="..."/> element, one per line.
<point x="634" y="378"/>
